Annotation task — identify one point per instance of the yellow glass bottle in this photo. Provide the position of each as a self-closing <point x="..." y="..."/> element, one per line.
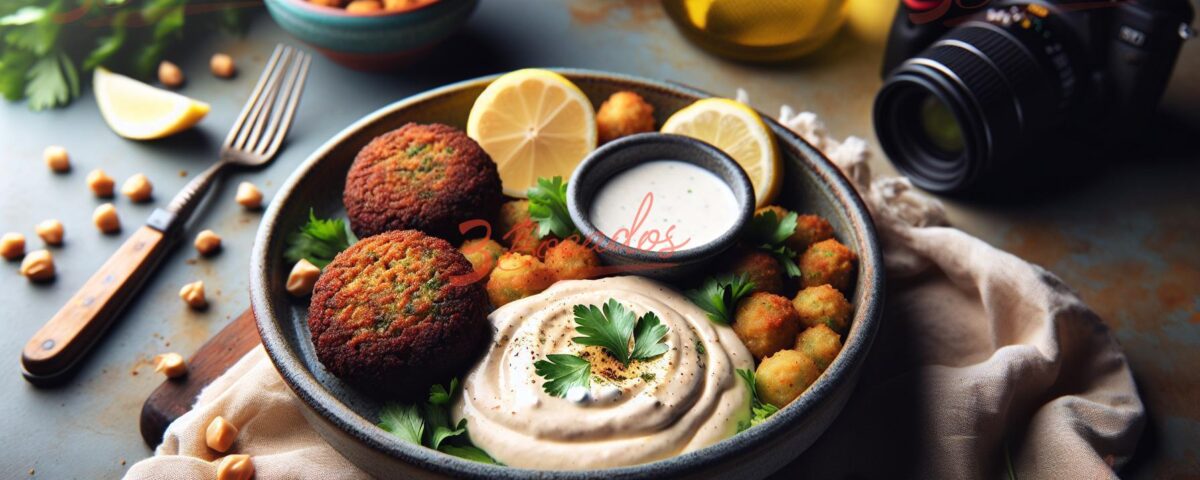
<point x="758" y="30"/>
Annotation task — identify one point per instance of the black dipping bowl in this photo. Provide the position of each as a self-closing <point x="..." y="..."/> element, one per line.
<point x="620" y="155"/>
<point x="346" y="417"/>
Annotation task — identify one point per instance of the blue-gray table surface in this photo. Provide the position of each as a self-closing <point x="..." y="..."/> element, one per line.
<point x="1125" y="237"/>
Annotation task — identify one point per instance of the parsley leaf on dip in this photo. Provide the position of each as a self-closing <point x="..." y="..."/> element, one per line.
<point x="562" y="372"/>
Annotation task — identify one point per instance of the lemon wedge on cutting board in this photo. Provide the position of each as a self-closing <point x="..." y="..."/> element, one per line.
<point x="141" y="112"/>
<point x="533" y="123"/>
<point x="738" y="131"/>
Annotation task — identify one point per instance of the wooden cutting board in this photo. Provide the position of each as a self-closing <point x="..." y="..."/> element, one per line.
<point x="175" y="396"/>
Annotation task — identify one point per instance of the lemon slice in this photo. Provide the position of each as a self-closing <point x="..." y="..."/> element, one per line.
<point x="142" y="112"/>
<point x="534" y="123"/>
<point x="738" y="131"/>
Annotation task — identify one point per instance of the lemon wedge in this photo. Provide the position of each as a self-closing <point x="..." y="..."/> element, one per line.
<point x="533" y="123"/>
<point x="738" y="131"/>
<point x="139" y="111"/>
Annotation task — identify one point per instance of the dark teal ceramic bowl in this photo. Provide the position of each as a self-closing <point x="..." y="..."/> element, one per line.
<point x="371" y="41"/>
<point x="346" y="417"/>
<point x="624" y="153"/>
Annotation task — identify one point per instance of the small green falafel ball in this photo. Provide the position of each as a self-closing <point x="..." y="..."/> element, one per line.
<point x="819" y="343"/>
<point x="571" y="261"/>
<point x="761" y="268"/>
<point x="766" y="323"/>
<point x="782" y="377"/>
<point x="517" y="276"/>
<point x="482" y="253"/>
<point x="809" y="228"/>
<point x="827" y="261"/>
<point x="823" y="305"/>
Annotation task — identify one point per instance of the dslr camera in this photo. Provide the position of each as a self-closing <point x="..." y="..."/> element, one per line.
<point x="979" y="94"/>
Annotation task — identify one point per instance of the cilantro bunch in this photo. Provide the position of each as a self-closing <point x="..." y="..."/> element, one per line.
<point x="719" y="296"/>
<point x="45" y="44"/>
<point x="548" y="207"/>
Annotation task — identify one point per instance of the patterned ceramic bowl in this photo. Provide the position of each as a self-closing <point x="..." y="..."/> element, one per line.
<point x="372" y="41"/>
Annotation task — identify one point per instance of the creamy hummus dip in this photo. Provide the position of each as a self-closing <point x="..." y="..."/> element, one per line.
<point x="683" y="400"/>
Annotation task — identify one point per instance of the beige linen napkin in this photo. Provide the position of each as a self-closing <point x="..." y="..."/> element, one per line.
<point x="985" y="366"/>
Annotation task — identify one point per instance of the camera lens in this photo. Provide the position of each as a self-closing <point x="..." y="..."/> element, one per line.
<point x="963" y="112"/>
<point x="939" y="128"/>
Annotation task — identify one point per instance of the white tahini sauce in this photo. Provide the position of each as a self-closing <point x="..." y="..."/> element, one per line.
<point x="685" y="399"/>
<point x="664" y="205"/>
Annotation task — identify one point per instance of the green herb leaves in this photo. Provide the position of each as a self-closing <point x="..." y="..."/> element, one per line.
<point x="769" y="232"/>
<point x="562" y="372"/>
<point x="429" y="424"/>
<point x="647" y="338"/>
<point x="610" y="327"/>
<point x="548" y="207"/>
<point x="45" y="42"/>
<point x="403" y="421"/>
<point x="719" y="296"/>
<point x="318" y="241"/>
<point x="759" y="411"/>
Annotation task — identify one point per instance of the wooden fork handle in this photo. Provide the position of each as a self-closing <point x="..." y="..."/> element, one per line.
<point x="68" y="336"/>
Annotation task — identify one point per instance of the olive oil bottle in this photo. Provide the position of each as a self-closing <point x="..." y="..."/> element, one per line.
<point x="758" y="30"/>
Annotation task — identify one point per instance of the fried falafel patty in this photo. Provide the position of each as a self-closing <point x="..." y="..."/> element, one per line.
<point x="386" y="316"/>
<point x="423" y="177"/>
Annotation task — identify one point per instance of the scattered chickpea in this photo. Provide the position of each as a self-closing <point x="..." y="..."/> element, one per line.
<point x="170" y="364"/>
<point x="105" y="218"/>
<point x="170" y="75"/>
<point x="249" y="196"/>
<point x="222" y="65"/>
<point x="56" y="158"/>
<point x="38" y="266"/>
<point x="207" y="242"/>
<point x="12" y="246"/>
<point x="364" y="6"/>
<point x="51" y="231"/>
<point x="193" y="295"/>
<point x="100" y="183"/>
<point x="304" y="275"/>
<point x="137" y="188"/>
<point x="235" y="467"/>
<point x="220" y="434"/>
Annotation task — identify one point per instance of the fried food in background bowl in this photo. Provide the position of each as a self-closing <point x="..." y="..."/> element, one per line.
<point x="370" y="39"/>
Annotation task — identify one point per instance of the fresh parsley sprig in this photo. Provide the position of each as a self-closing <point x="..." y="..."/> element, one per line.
<point x="769" y="232"/>
<point x="611" y="327"/>
<point x="318" y="241"/>
<point x="759" y="410"/>
<point x="428" y="424"/>
<point x="45" y="43"/>
<point x="548" y="207"/>
<point x="719" y="296"/>
<point x="563" y="372"/>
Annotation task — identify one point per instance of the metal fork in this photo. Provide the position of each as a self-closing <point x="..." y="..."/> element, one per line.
<point x="253" y="141"/>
